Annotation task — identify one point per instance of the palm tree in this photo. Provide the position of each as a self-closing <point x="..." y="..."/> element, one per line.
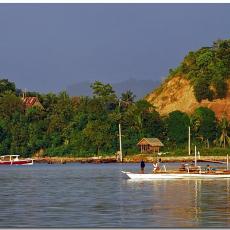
<point x="128" y="97"/>
<point x="224" y="138"/>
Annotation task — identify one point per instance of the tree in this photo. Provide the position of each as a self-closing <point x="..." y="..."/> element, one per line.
<point x="5" y="137"/>
<point x="202" y="90"/>
<point x="177" y="124"/>
<point x="221" y="88"/>
<point x="222" y="51"/>
<point x="37" y="124"/>
<point x="146" y="119"/>
<point x="103" y="91"/>
<point x="19" y="134"/>
<point x="189" y="63"/>
<point x="224" y="126"/>
<point x="105" y="94"/>
<point x="7" y="87"/>
<point x="128" y="97"/>
<point x="138" y="113"/>
<point x="9" y="104"/>
<point x="204" y="57"/>
<point x="204" y="124"/>
<point x="48" y="101"/>
<point x="98" y="134"/>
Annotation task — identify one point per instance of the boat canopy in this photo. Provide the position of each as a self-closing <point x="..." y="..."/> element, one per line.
<point x="10" y="156"/>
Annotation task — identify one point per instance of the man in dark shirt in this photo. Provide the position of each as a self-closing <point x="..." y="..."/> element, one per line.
<point x="142" y="166"/>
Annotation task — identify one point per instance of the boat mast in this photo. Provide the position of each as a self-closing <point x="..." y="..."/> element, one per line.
<point x="189" y="141"/>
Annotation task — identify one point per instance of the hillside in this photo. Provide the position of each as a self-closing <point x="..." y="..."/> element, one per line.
<point x="202" y="79"/>
<point x="178" y="94"/>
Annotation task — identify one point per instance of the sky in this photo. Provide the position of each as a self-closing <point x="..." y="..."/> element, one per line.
<point x="48" y="47"/>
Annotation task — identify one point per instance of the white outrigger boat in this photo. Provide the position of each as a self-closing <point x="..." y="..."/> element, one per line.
<point x="178" y="175"/>
<point x="185" y="172"/>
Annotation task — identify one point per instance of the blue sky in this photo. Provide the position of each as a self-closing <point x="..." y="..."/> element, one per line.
<point x="47" y="47"/>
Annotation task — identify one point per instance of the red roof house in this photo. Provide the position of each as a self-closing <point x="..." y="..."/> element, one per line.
<point x="32" y="102"/>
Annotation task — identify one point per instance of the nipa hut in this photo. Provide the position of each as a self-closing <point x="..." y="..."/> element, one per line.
<point x="150" y="145"/>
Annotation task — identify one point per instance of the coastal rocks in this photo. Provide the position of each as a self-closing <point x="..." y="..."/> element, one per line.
<point x="128" y="159"/>
<point x="64" y="160"/>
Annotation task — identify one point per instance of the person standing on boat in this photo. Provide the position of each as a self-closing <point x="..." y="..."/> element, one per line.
<point x="208" y="168"/>
<point x="142" y="166"/>
<point x="156" y="166"/>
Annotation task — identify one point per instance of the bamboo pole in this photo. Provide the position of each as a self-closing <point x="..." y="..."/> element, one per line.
<point x="227" y="161"/>
<point x="189" y="141"/>
<point x="121" y="157"/>
<point x="195" y="155"/>
<point x="120" y="142"/>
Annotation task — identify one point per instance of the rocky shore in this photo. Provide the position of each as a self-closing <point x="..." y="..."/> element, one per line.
<point x="127" y="159"/>
<point x="64" y="160"/>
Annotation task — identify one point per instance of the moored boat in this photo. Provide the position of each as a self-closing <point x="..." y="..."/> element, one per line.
<point x="14" y="160"/>
<point x="185" y="171"/>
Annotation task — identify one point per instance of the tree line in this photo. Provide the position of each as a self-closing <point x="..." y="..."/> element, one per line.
<point x="88" y="126"/>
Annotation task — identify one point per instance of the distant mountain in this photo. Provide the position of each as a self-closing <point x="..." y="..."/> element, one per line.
<point x="139" y="87"/>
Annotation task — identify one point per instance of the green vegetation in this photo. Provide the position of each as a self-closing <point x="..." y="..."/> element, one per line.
<point x="213" y="151"/>
<point x="177" y="127"/>
<point x="88" y="126"/>
<point x="207" y="69"/>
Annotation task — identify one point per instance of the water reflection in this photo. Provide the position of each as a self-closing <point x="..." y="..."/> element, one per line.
<point x="91" y="195"/>
<point x="188" y="202"/>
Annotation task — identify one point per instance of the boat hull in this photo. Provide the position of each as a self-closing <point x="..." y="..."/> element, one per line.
<point x="20" y="162"/>
<point x="157" y="176"/>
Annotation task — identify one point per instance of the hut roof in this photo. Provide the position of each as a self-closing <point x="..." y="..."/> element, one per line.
<point x="151" y="141"/>
<point x="30" y="101"/>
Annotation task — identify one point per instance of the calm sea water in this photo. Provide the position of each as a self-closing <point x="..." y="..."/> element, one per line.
<point x="98" y="195"/>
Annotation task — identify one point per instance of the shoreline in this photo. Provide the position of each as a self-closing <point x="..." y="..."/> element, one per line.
<point x="127" y="159"/>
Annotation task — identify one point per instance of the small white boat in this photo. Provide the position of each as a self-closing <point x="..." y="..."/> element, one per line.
<point x="14" y="160"/>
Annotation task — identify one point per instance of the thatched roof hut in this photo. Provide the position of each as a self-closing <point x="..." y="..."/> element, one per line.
<point x="150" y="145"/>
